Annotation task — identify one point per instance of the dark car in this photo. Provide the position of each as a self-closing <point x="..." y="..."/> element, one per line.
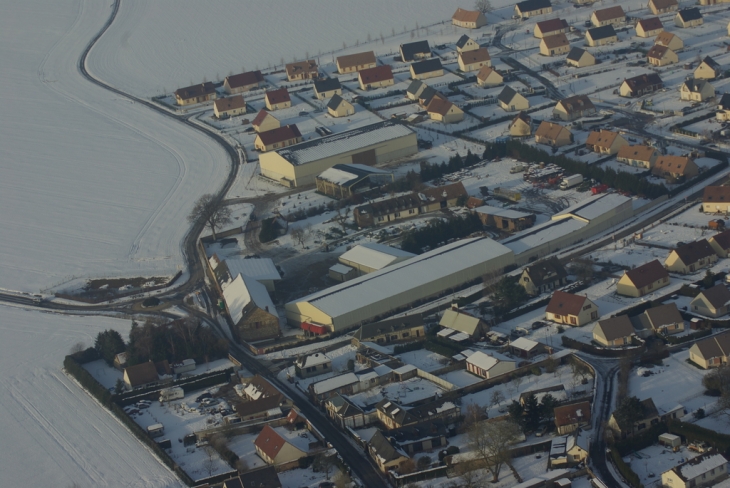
<point x="202" y="397"/>
<point x="538" y="324"/>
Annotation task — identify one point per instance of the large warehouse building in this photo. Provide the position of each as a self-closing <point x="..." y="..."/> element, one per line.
<point x="299" y="164"/>
<point x="376" y="294"/>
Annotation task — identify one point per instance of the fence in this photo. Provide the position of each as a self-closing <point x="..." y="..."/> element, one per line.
<point x="435" y="379"/>
<point x="188" y="384"/>
<point x="603" y="352"/>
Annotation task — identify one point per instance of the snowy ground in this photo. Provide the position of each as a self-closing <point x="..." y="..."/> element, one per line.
<point x="651" y="462"/>
<point x="424" y="360"/>
<point x="49" y="419"/>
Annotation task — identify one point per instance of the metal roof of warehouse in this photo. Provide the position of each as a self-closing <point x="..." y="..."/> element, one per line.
<point x="596" y="206"/>
<point x="352" y="140"/>
<point x="374" y="255"/>
<point x="542" y="234"/>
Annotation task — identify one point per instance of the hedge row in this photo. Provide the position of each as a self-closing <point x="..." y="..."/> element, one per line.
<point x="105" y="398"/>
<point x="411" y="346"/>
<point x="643" y="440"/>
<point x="694" y="432"/>
<point x="599" y="351"/>
<point x="625" y="470"/>
<point x="689" y="337"/>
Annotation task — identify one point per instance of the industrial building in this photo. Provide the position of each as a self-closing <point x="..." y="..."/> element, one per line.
<point x="345" y="180"/>
<point x="376" y="294"/>
<point x="369" y="257"/>
<point x="299" y="164"/>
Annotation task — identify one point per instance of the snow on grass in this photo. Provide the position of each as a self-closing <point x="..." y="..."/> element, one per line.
<point x="424" y="360"/>
<point x="308" y="349"/>
<point x="649" y="463"/>
<point x="304" y="478"/>
<point x="49" y="419"/>
<point x="244" y="448"/>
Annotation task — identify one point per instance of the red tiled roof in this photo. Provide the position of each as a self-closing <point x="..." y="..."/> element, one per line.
<point x="565" y="303"/>
<point x="376" y="75"/>
<point x="278" y="96"/>
<point x="573" y="414"/>
<point x="646" y="274"/>
<point x="716" y="194"/>
<point x="260" y="117"/>
<point x="610" y="13"/>
<point x="694" y="251"/>
<point x="270" y="442"/>
<point x="462" y="15"/>
<point x="651" y="24"/>
<point x="439" y="106"/>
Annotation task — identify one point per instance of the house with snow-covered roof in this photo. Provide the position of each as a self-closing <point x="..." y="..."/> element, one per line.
<point x="704" y="470"/>
<point x="460" y="321"/>
<point x="251" y="309"/>
<point x="312" y="365"/>
<point x="569" y="450"/>
<point x="262" y="270"/>
<point x="712" y="302"/>
<point x="526" y="348"/>
<point x="487" y="366"/>
<point x="386" y="456"/>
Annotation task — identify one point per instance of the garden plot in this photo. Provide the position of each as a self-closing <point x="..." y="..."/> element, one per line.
<point x="649" y="463"/>
<point x="304" y="478"/>
<point x="460" y="378"/>
<point x="718" y="422"/>
<point x="424" y="360"/>
<point x="243" y="446"/>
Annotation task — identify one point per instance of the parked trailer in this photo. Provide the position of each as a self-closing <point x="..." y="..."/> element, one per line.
<point x="571" y="181"/>
<point x="171" y="394"/>
<point x="156" y="430"/>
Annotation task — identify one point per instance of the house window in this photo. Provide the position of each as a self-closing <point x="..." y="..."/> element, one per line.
<point x="594" y="315"/>
<point x="397" y="214"/>
<point x="573" y="321"/>
<point x="587" y="307"/>
<point x="410" y="211"/>
<point x="665" y="280"/>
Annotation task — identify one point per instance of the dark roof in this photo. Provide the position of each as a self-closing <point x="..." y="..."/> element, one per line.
<point x="335" y="102"/>
<point x="415" y="86"/>
<point x="638" y="83"/>
<point x="664" y="315"/>
<point x="260" y="117"/>
<point x="358" y="59"/>
<point x="577" y="413"/>
<point x="610" y="13"/>
<point x="415" y="433"/>
<point x="546" y="271"/>
<point x="376" y="74"/>
<point x="552" y="25"/>
<point x="245" y="79"/>
<point x="390" y="325"/>
<point x="657" y="51"/>
<point x="446" y="192"/>
<point x="142" y="374"/>
<point x="719" y="194"/>
<point x="427" y="95"/>
<point x="462" y="41"/>
<point x="603" y="32"/>
<point x="280" y="134"/>
<point x="410" y="49"/>
<point x="327" y="84"/>
<point x="383" y="448"/>
<point x="261" y="478"/>
<point x="715" y="346"/>
<point x="651" y="24"/>
<point x="195" y="91"/>
<point x="230" y="103"/>
<point x="308" y="66"/>
<point x="426" y="66"/>
<point x="475" y="56"/>
<point x="278" y="96"/>
<point x="724" y="102"/>
<point x="530" y="5"/>
<point x="616" y="327"/>
<point x="711" y="63"/>
<point x="648" y="273"/>
<point x="396" y="412"/>
<point x="507" y="94"/>
<point x="694" y="251"/>
<point x="575" y="53"/>
<point x="718" y="295"/>
<point x="649" y="409"/>
<point x="556" y="40"/>
<point x="565" y="303"/>
<point x="723" y="239"/>
<point x="577" y="104"/>
<point x="688" y="14"/>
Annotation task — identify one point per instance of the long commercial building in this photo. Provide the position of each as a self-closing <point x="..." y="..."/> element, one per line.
<point x="299" y="164"/>
<point x="376" y="294"/>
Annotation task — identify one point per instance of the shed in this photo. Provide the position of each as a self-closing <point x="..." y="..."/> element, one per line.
<point x="670" y="440"/>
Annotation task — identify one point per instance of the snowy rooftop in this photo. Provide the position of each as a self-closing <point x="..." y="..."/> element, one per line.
<point x="698" y="466"/>
<point x="501" y="212"/>
<point x="242" y="291"/>
<point x="340" y="268"/>
<point x="543" y="233"/>
<point x="524" y="344"/>
<point x="297" y="438"/>
<point x="405" y="369"/>
<point x="374" y="255"/>
<point x="351" y="140"/>
<point x="341" y="173"/>
<point x="595" y="206"/>
<point x="256" y="268"/>
<point x="482" y="360"/>
<point x="334" y="383"/>
<point x="393" y="280"/>
<point x="313" y="360"/>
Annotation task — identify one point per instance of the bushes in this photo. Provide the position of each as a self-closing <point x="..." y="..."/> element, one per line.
<point x="438" y="231"/>
<point x="643" y="440"/>
<point x="689" y="337"/>
<point x="268" y="230"/>
<point x="625" y="470"/>
<point x="151" y="302"/>
<point x="694" y="432"/>
<point x="411" y="346"/>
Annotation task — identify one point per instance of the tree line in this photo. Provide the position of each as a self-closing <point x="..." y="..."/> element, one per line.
<point x="438" y="231"/>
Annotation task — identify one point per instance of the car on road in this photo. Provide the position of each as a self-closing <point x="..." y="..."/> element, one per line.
<point x="303" y="113"/>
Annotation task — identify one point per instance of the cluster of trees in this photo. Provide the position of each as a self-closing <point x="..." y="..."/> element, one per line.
<point x="432" y="171"/>
<point x="533" y="413"/>
<point x="621" y="180"/>
<point x="507" y="294"/>
<point x="438" y="231"/>
<point x="108" y="344"/>
<point x="302" y="213"/>
<point x="717" y="383"/>
<point x="629" y="411"/>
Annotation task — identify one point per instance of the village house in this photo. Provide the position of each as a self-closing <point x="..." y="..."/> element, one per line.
<point x="429" y="68"/>
<point x="568" y="418"/>
<point x="283" y="446"/>
<point x="580" y="58"/>
<point x="302" y="70"/>
<point x="613" y="16"/>
<point x="312" y="365"/>
<point x="694" y="90"/>
<point x="261" y="400"/>
<point x="672" y="41"/>
<point x="487" y="366"/>
<point x="264" y="121"/>
<point x="415" y="88"/>
<point x="510" y="101"/>
<point x="399" y="329"/>
<point x="525" y="348"/>
<point x="251" y="309"/>
<point x="711" y="352"/>
<point x="691" y="257"/>
<point x="569" y="309"/>
<point x="543" y="277"/>
<point x="140" y="375"/>
<point x="387" y="457"/>
<point x="195" y="94"/>
<point x="489" y="77"/>
<point x="641" y="85"/>
<point x="505" y="219"/>
<point x="638" y="156"/>
<point x="262" y="270"/>
<point x="551" y="27"/>
<point x="688" y="17"/>
<point x="575" y="107"/>
<point x="716" y="199"/>
<point x="660" y="55"/>
<point x="531" y="8"/>
<point x="243" y="82"/>
<point x="466" y="43"/>
<point x="474" y="60"/>
<point x="346" y="414"/>
<point x="614" y="332"/>
<point x="327" y="88"/>
<point x="605" y="142"/>
<point x="663" y="6"/>
<point x="444" y="111"/>
<point x="643" y="279"/>
<point x="395" y="416"/>
<point x="277" y="138"/>
<point x="468" y="19"/>
<point x="704" y="470"/>
<point x="721" y="243"/>
<point x="568" y="451"/>
<point x="419" y="438"/>
<point x="378" y="77"/>
<point x="554" y="45"/>
<point x="521" y="125"/>
<point x="352" y="63"/>
<point x="277" y="99"/>
<point x="723" y="108"/>
<point x="415" y="50"/>
<point x="708" y="69"/>
<point x="675" y="167"/>
<point x="600" y="36"/>
<point x="229" y="107"/>
<point x="427" y="95"/>
<point x="345" y="180"/>
<point x="339" y="107"/>
<point x="553" y="134"/>
<point x="256" y="478"/>
<point x="649" y="27"/>
<point x="713" y="302"/>
<point x="665" y="319"/>
<point x="649" y="417"/>
<point x="455" y="320"/>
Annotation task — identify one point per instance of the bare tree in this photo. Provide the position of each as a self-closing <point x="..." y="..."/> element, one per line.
<point x="496" y="398"/>
<point x="341" y="218"/>
<point x="298" y="235"/>
<point x="473" y="414"/>
<point x="76" y="348"/>
<point x="210" y="211"/>
<point x="491" y="441"/>
<point x="325" y="464"/>
<point x="470" y="477"/>
<point x="209" y="461"/>
<point x="242" y="466"/>
<point x="484" y="6"/>
<point x="341" y="480"/>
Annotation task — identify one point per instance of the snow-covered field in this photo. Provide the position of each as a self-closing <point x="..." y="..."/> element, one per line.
<point x="53" y="433"/>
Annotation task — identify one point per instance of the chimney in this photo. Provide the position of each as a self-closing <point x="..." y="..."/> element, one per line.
<point x="267" y="308"/>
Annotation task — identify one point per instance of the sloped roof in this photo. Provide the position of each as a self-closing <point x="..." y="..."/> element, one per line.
<point x="195" y="90"/>
<point x="336" y="101"/>
<point x="256" y="268"/>
<point x="507" y="94"/>
<point x="647" y="273"/>
<point x="573" y="414"/>
<point x="616" y="327"/>
<point x="638" y="153"/>
<point x="460" y="321"/>
<point x="547" y="270"/>
<point x="651" y="24"/>
<point x="724" y="102"/>
<point x="576" y="53"/>
<point x="577" y="103"/>
<point x="141" y="374"/>
<point x="301" y="66"/>
<point x="603" y="32"/>
<point x="327" y="84"/>
<point x="349" y="174"/>
<point x="280" y="134"/>
<point x="230" y="103"/>
<point x="261" y="478"/>
<point x="506" y="213"/>
<point x="269" y="441"/>
<point x="715" y="346"/>
<point x="462" y="41"/>
<point x="664" y="315"/>
<point x="694" y="251"/>
<point x="278" y="96"/>
<point x="689" y="14"/>
<point x="376" y="74"/>
<point x="485" y="71"/>
<point x="531" y="5"/>
<point x="427" y="66"/>
<point x="384" y="449"/>
<point x="520" y="116"/>
<point x="482" y="360"/>
<point x="695" y="85"/>
<point x="245" y="79"/>
<point x="462" y="15"/>
<point x="640" y="82"/>
<point x="662" y="4"/>
<point x="610" y="13"/>
<point x="475" y="56"/>
<point x="602" y="138"/>
<point x="664" y="38"/>
<point x="374" y="255"/>
<point x="699" y="466"/>
<point x="672" y="164"/>
<point x="445" y="192"/>
<point x="718" y="295"/>
<point x="416" y="86"/>
<point x="390" y="325"/>
<point x="723" y="239"/>
<point x="241" y="292"/>
<point x="657" y="51"/>
<point x="712" y="63"/>
<point x="556" y="40"/>
<point x="565" y="303"/>
<point x="357" y="59"/>
<point x="524" y="344"/>
<point x="719" y="194"/>
<point x="261" y="116"/>
<point x="439" y="106"/>
<point x="410" y="49"/>
<point x="552" y="25"/>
